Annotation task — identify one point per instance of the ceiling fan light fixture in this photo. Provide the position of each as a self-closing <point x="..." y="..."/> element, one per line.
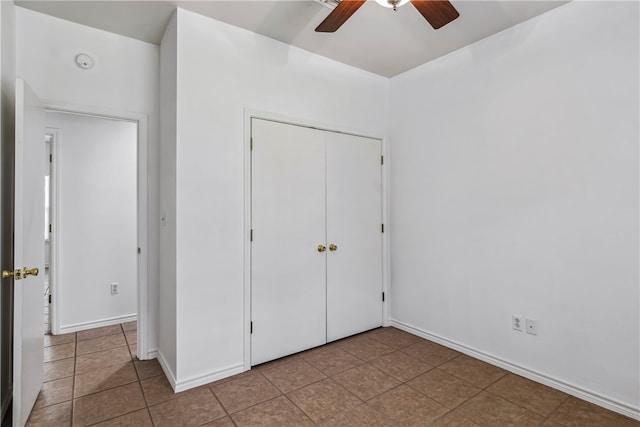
<point x="395" y="4"/>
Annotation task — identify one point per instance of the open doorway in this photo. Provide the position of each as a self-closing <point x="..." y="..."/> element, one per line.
<point x="91" y="234"/>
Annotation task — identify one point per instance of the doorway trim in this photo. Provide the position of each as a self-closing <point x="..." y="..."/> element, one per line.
<point x="265" y="115"/>
<point x="53" y="306"/>
<point x="142" y="208"/>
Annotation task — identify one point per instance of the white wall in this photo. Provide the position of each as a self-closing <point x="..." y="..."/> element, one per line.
<point x="221" y="70"/>
<point x="514" y="189"/>
<point x="7" y="138"/>
<point x="96" y="219"/>
<point x="167" y="291"/>
<point x="125" y="78"/>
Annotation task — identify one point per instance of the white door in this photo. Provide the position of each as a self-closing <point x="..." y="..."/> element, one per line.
<point x="288" y="292"/>
<point x="354" y="220"/>
<point x="28" y="338"/>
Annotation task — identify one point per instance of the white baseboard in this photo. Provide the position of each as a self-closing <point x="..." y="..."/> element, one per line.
<point x="97" y="323"/>
<point x="589" y="396"/>
<point x="166" y="369"/>
<point x="196" y="381"/>
<point x="208" y="378"/>
<point x="152" y="354"/>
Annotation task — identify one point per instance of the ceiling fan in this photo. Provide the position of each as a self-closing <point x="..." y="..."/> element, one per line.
<point x="437" y="12"/>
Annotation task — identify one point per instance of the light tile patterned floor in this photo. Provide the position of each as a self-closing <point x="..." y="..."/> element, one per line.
<point x="385" y="377"/>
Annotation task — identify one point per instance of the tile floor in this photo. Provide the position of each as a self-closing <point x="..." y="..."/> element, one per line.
<point x="384" y="377"/>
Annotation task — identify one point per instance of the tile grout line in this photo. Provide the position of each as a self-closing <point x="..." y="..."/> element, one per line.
<point x="370" y="364"/>
<point x="405" y="383"/>
<point x="282" y="392"/>
<point x="144" y="396"/>
<point x="480" y="390"/>
<point x="303" y="358"/>
<point x="99" y="328"/>
<point x="259" y="403"/>
<point x="272" y="398"/>
<point x="221" y="405"/>
<point x="111" y="388"/>
<point x="105" y="389"/>
<point x="401" y="382"/>
<point x="124" y="333"/>
<point x="108" y="388"/>
<point x="108" y="348"/>
<point x="299" y="408"/>
<point x="518" y="404"/>
<point x="336" y="383"/>
<point x="99" y="351"/>
<point x="558" y="407"/>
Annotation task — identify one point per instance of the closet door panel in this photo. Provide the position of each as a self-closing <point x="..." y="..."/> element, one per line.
<point x="288" y="290"/>
<point x="354" y="218"/>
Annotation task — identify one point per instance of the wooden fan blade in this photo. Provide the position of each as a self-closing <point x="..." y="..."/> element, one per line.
<point x="339" y="15"/>
<point x="439" y="13"/>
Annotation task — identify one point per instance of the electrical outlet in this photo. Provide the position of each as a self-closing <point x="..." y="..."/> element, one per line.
<point x="532" y="327"/>
<point x="517" y="322"/>
<point x="114" y="288"/>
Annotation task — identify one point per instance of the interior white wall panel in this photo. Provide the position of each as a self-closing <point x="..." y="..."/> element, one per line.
<point x="125" y="78"/>
<point x="96" y="218"/>
<point x="167" y="252"/>
<point x="514" y="190"/>
<point x="223" y="70"/>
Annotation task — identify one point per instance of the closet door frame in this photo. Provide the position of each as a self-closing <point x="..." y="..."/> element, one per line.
<point x="250" y="114"/>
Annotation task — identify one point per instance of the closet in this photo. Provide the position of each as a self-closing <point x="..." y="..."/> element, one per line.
<point x="316" y="249"/>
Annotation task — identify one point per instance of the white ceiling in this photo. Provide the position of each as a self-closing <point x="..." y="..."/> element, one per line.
<point x="375" y="39"/>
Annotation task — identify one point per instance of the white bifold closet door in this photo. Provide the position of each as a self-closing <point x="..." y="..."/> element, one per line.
<point x="288" y="291"/>
<point x="313" y="188"/>
<point x="354" y="220"/>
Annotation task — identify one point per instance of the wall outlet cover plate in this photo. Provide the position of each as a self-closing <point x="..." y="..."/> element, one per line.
<point x="517" y="322"/>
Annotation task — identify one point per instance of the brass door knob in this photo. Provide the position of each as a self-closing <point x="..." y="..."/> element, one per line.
<point x="30" y="272"/>
<point x="333" y="247"/>
<point x="321" y="248"/>
<point x="17" y="274"/>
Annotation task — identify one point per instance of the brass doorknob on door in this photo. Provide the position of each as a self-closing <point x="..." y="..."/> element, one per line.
<point x="6" y="274"/>
<point x="30" y="272"/>
<point x="321" y="248"/>
<point x="333" y="247"/>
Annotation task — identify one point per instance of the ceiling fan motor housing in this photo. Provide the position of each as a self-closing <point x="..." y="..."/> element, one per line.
<point x="394" y="4"/>
<point x="437" y="13"/>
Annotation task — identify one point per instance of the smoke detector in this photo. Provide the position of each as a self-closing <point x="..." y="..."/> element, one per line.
<point x="84" y="61"/>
